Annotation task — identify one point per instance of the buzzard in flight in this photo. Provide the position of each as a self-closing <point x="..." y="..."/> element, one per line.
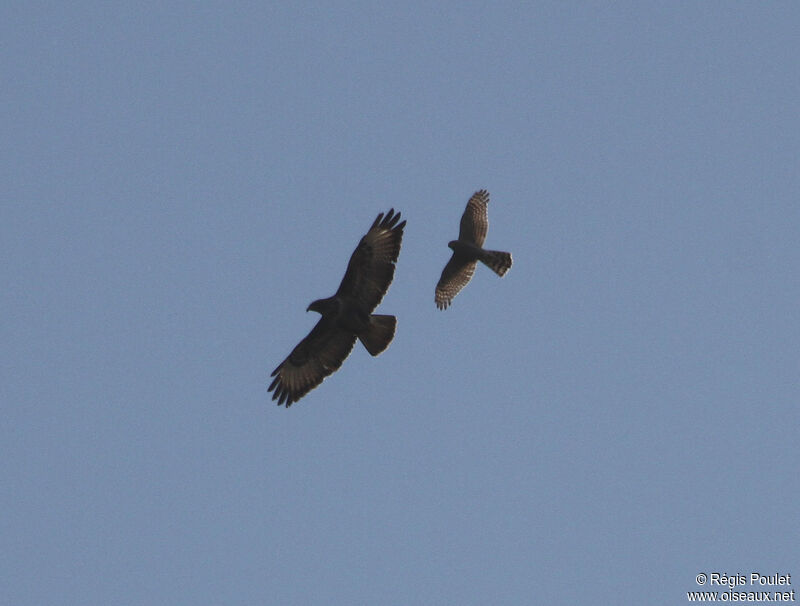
<point x="347" y="315"/>
<point x="467" y="251"/>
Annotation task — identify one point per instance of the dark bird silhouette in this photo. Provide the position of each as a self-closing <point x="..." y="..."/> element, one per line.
<point x="347" y="315"/>
<point x="467" y="251"/>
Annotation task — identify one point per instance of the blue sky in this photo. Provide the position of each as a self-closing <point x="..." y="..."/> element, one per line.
<point x="616" y="415"/>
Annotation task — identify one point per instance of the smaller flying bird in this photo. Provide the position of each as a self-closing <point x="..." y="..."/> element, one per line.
<point x="347" y="315"/>
<point x="467" y="251"/>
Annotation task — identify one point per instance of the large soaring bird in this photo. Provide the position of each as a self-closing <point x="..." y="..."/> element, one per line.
<point x="347" y="315"/>
<point x="467" y="251"/>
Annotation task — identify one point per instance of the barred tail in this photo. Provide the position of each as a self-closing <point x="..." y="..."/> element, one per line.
<point x="499" y="262"/>
<point x="379" y="334"/>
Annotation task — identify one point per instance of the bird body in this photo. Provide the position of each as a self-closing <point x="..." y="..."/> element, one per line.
<point x="468" y="250"/>
<point x="375" y="331"/>
<point x="347" y="315"/>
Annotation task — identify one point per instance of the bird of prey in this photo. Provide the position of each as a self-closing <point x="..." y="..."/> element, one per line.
<point x="347" y="315"/>
<point x="467" y="251"/>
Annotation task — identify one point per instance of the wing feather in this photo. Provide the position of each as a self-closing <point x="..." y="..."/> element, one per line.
<point x="455" y="276"/>
<point x="371" y="267"/>
<point x="475" y="220"/>
<point x="314" y="358"/>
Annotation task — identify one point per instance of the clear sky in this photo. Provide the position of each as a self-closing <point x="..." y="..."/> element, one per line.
<point x="616" y="415"/>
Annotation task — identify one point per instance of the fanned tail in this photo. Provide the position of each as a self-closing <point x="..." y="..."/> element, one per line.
<point x="379" y="334"/>
<point x="499" y="262"/>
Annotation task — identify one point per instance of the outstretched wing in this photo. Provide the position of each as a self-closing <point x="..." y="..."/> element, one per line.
<point x="371" y="267"/>
<point x="475" y="220"/>
<point x="315" y="357"/>
<point x="455" y="276"/>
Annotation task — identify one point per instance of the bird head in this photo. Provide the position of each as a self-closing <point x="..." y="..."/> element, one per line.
<point x="452" y="244"/>
<point x="321" y="306"/>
